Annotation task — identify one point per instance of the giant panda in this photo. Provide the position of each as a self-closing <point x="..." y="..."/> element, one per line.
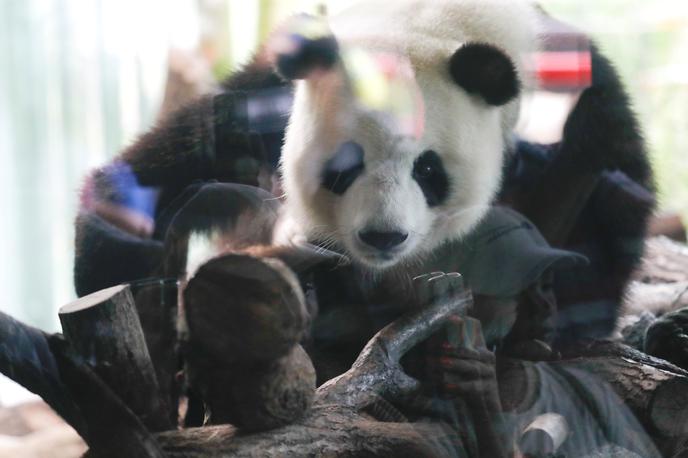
<point x="401" y="197"/>
<point x="389" y="198"/>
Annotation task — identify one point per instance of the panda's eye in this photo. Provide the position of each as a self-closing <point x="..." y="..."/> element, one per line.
<point x="430" y="175"/>
<point x="343" y="169"/>
<point x="425" y="171"/>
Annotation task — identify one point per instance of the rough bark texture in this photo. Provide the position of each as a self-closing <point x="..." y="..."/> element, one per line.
<point x="103" y="329"/>
<point x="351" y="415"/>
<point x="654" y="389"/>
<point x="338" y="424"/>
<point x="156" y="302"/>
<point x="245" y="317"/>
<point x="111" y="430"/>
<point x="244" y="308"/>
<point x="661" y="283"/>
<point x="328" y="431"/>
<point x="343" y="420"/>
<point x="27" y="358"/>
<point x="639" y="385"/>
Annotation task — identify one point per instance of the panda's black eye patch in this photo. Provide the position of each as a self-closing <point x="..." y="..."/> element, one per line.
<point x="431" y="176"/>
<point x="343" y="169"/>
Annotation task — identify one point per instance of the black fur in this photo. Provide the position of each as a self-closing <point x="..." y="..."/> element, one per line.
<point x="431" y="176"/>
<point x="306" y="55"/>
<point x="106" y="256"/>
<point x="343" y="169"/>
<point x="484" y="70"/>
<point x="602" y="163"/>
<point x="309" y="56"/>
<point x="209" y="139"/>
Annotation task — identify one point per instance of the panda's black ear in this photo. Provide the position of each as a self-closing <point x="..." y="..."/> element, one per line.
<point x="486" y="71"/>
<point x="301" y="51"/>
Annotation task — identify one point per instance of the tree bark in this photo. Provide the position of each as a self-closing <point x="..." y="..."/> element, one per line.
<point x="111" y="430"/>
<point x="338" y="424"/>
<point x="26" y="358"/>
<point x="655" y="390"/>
<point x="103" y="329"/>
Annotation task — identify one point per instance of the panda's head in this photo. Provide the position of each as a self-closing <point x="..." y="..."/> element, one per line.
<point x="384" y="194"/>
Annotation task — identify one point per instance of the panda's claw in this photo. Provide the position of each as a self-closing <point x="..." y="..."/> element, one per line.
<point x="436" y="285"/>
<point x="428" y="274"/>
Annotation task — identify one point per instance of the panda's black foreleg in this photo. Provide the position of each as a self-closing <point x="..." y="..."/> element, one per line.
<point x="601" y="133"/>
<point x="561" y="194"/>
<point x="594" y="192"/>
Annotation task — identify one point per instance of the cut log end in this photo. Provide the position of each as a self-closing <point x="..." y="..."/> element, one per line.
<point x="94" y="299"/>
<point x="245" y="308"/>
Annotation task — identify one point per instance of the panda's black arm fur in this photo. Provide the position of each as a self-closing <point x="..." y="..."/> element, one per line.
<point x="208" y="139"/>
<point x="212" y="138"/>
<point x="107" y="255"/>
<point x="601" y="133"/>
<point x="592" y="193"/>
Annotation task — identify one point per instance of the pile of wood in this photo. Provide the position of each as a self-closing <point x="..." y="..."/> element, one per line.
<point x="105" y="377"/>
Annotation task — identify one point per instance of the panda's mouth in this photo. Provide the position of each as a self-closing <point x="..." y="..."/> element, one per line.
<point x="378" y="251"/>
<point x="377" y="260"/>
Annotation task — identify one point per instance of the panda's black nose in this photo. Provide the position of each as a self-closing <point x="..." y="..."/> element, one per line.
<point x="382" y="240"/>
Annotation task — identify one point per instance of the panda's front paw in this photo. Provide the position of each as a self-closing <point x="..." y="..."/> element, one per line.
<point x="667" y="338"/>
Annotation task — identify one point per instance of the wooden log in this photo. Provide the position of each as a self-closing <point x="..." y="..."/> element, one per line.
<point x="156" y="303"/>
<point x="327" y="432"/>
<point x="257" y="397"/>
<point x="335" y="429"/>
<point x="103" y="328"/>
<point x="111" y="430"/>
<point x="26" y="358"/>
<point x="340" y="423"/>
<point x="655" y="390"/>
<point x="242" y="308"/>
<point x="246" y="316"/>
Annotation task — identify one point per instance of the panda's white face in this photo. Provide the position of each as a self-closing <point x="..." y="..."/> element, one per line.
<point x="386" y="198"/>
<point x="354" y="180"/>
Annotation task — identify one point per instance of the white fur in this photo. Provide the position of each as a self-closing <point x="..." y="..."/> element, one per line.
<point x="468" y="134"/>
